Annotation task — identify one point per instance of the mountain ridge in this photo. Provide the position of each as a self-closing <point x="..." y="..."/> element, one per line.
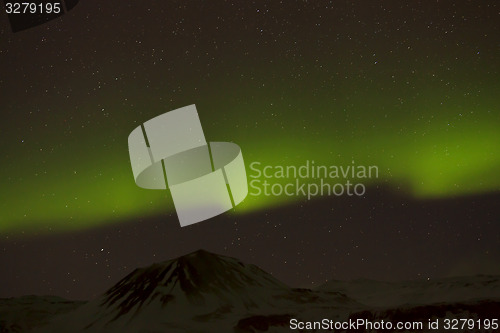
<point x="206" y="292"/>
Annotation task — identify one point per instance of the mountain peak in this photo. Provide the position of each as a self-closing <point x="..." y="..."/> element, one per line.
<point x="199" y="255"/>
<point x="197" y="278"/>
<point x="200" y="252"/>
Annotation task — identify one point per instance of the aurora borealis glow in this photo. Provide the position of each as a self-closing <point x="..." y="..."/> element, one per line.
<point x="419" y="100"/>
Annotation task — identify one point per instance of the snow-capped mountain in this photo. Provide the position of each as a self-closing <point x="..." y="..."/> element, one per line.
<point x="192" y="293"/>
<point x="199" y="279"/>
<point x="417" y="292"/>
<point x="205" y="292"/>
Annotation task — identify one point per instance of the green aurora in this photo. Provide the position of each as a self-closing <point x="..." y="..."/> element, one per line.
<point x="429" y="119"/>
<point x="453" y="154"/>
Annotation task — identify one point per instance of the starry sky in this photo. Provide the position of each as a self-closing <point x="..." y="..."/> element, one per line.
<point x="409" y="86"/>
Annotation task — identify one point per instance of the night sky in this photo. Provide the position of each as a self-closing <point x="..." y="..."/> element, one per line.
<point x="410" y="86"/>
